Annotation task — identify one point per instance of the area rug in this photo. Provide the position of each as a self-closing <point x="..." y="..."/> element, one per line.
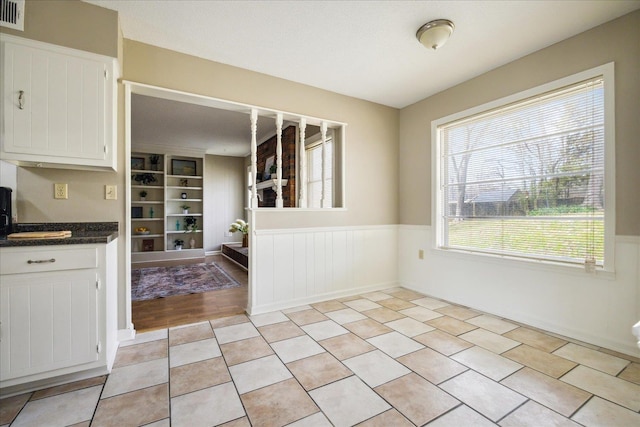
<point x="160" y="282"/>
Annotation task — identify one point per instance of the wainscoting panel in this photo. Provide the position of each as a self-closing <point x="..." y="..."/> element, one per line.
<point x="301" y="266"/>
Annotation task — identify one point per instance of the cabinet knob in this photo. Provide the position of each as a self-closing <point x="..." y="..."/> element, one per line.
<point x="21" y="99"/>
<point x="41" y="261"/>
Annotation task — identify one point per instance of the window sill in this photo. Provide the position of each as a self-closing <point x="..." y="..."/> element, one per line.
<point x="531" y="264"/>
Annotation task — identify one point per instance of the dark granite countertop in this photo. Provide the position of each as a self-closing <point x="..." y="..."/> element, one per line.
<point x="81" y="233"/>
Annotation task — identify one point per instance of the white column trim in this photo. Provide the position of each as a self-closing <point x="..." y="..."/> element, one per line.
<point x="254" y="158"/>
<point x="279" y="120"/>
<point x="302" y="203"/>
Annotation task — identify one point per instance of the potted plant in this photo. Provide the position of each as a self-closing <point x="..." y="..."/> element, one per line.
<point x="154" y="159"/>
<point x="185" y="209"/>
<point x="191" y="226"/>
<point x="144" y="178"/>
<point x="272" y="170"/>
<point x="243" y="227"/>
<point x="177" y="244"/>
<point x="143" y="195"/>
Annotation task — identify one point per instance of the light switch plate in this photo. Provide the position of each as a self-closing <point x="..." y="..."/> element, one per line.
<point x="60" y="191"/>
<point x="110" y="192"/>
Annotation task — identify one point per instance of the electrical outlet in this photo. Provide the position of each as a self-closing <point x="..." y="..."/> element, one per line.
<point x="60" y="191"/>
<point x="111" y="192"/>
<point x="420" y="253"/>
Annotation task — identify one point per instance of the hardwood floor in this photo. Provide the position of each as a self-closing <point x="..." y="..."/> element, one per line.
<point x="184" y="309"/>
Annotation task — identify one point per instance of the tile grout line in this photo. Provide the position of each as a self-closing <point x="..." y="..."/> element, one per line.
<point x="22" y="408"/>
<point x="95" y="410"/>
<point x="424" y="346"/>
<point x="246" y="414"/>
<point x="289" y="370"/>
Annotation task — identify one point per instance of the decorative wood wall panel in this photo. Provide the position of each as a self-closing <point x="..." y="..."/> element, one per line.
<point x="301" y="266"/>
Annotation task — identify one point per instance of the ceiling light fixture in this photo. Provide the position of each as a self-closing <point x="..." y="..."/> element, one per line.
<point x="434" y="34"/>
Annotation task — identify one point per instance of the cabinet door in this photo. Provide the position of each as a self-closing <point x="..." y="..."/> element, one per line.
<point x="49" y="321"/>
<point x="54" y="104"/>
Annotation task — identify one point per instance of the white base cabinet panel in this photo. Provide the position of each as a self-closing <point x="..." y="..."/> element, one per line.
<point x="48" y="322"/>
<point x="57" y="313"/>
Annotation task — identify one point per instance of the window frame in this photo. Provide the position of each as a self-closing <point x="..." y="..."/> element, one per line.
<point x="437" y="196"/>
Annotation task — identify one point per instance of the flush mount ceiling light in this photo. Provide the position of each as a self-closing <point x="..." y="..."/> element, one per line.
<point x="434" y="34"/>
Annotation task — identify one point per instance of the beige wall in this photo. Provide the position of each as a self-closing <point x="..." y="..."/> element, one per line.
<point x="372" y="131"/>
<point x="224" y="199"/>
<point x="614" y="41"/>
<point x="70" y="23"/>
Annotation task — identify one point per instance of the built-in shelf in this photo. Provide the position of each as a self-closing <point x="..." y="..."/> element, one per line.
<point x="179" y="187"/>
<point x="146" y="171"/>
<point x="186" y="176"/>
<point x="163" y="197"/>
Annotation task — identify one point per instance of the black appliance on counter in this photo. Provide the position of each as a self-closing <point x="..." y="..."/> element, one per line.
<point x="5" y="211"/>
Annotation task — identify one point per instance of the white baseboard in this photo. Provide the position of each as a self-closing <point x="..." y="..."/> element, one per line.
<point x="126" y="334"/>
<point x="283" y="305"/>
<point x="51" y="382"/>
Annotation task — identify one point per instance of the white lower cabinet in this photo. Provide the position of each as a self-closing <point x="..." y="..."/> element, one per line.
<point x="54" y="318"/>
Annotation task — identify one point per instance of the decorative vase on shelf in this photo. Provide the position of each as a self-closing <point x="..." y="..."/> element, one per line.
<point x="192" y="243"/>
<point x="245" y="240"/>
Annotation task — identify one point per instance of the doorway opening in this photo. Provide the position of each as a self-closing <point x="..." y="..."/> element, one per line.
<point x="186" y="161"/>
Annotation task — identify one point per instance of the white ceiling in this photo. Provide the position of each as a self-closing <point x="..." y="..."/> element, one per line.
<point x="364" y="49"/>
<point x="180" y="126"/>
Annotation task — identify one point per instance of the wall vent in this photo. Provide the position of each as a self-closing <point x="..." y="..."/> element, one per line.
<point x="12" y="14"/>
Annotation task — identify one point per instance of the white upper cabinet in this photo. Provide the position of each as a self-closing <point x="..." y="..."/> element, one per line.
<point x="58" y="106"/>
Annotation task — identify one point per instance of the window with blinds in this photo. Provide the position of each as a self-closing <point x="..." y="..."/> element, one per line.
<point x="527" y="179"/>
<point x="314" y="174"/>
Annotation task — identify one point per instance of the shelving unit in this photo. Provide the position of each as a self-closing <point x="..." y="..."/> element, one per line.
<point x="179" y="182"/>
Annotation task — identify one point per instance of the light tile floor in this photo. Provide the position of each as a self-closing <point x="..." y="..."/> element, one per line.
<point x="389" y="358"/>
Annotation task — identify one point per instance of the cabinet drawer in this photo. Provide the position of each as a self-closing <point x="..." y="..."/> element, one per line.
<point x="16" y="261"/>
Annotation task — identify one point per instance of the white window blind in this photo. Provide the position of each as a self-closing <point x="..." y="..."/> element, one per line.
<point x="527" y="179"/>
<point x="314" y="175"/>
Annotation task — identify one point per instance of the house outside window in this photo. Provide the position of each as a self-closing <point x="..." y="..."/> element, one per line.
<point x="531" y="176"/>
<point x="314" y="174"/>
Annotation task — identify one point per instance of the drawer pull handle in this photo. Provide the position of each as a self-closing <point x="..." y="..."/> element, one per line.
<point x="21" y="99"/>
<point x="41" y="261"/>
